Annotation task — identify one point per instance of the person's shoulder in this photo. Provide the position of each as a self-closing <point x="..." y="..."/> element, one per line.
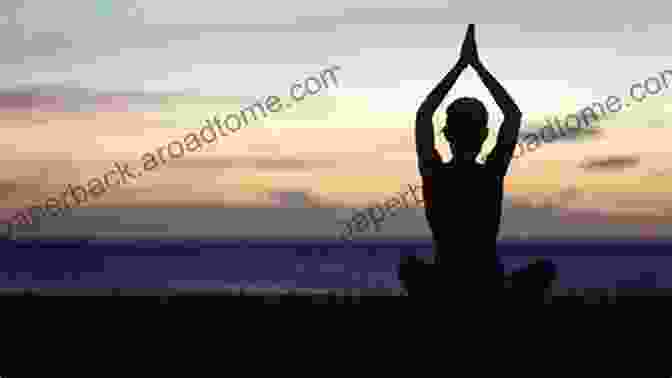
<point x="489" y="168"/>
<point x="448" y="165"/>
<point x="446" y="168"/>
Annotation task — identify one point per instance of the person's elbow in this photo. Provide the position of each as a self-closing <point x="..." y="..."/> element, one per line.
<point x="514" y="114"/>
<point x="425" y="170"/>
<point x="423" y="116"/>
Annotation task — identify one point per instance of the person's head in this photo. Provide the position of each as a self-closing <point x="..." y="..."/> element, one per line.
<point x="468" y="130"/>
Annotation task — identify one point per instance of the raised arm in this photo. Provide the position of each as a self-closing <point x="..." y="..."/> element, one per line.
<point x="501" y="96"/>
<point x="502" y="154"/>
<point x="424" y="129"/>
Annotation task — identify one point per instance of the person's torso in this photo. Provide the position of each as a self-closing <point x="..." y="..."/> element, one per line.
<point x="466" y="204"/>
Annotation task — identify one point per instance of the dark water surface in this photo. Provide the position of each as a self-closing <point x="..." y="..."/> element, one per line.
<point x="304" y="263"/>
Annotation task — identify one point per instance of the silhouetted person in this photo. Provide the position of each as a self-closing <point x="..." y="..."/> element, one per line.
<point x="463" y="198"/>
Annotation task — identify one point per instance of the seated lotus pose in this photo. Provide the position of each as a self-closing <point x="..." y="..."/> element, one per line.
<point x="463" y="198"/>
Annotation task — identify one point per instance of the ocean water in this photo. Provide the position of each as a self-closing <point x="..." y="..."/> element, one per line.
<point x="318" y="264"/>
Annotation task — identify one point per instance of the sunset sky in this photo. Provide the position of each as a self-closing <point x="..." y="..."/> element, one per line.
<point x="214" y="57"/>
<point x="553" y="56"/>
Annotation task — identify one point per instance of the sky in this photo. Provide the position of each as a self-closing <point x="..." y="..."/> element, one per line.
<point x="552" y="56"/>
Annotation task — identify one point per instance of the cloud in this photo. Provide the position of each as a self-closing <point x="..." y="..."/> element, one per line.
<point x="10" y="188"/>
<point x="257" y="163"/>
<point x="610" y="163"/>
